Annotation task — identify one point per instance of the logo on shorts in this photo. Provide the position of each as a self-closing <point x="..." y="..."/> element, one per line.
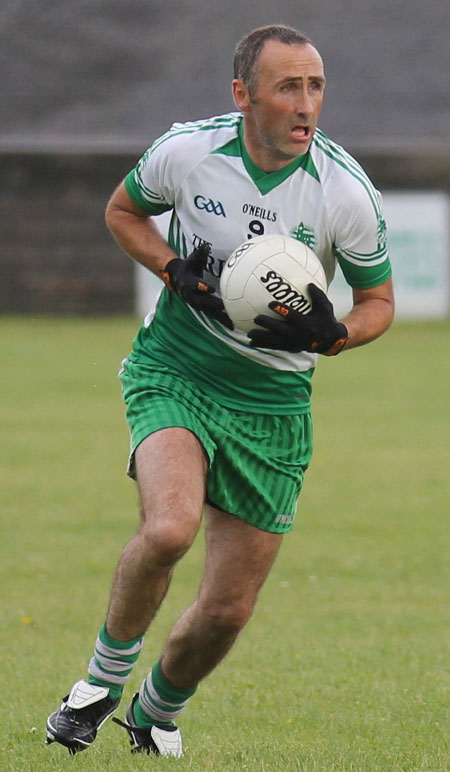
<point x="284" y="519"/>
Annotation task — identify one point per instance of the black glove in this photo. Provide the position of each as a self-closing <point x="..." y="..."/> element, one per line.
<point x="318" y="332"/>
<point x="185" y="278"/>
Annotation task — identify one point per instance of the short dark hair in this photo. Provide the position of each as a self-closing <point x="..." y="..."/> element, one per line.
<point x="248" y="48"/>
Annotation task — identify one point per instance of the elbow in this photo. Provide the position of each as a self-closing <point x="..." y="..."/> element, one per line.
<point x="109" y="216"/>
<point x="388" y="314"/>
<point x="385" y="315"/>
<point x="392" y="314"/>
<point x="389" y="309"/>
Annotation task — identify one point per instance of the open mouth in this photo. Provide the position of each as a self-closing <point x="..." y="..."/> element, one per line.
<point x="301" y="133"/>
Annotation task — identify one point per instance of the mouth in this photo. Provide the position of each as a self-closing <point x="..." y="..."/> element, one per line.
<point x="301" y="133"/>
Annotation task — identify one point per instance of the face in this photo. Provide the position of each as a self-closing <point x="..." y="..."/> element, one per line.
<point x="282" y="109"/>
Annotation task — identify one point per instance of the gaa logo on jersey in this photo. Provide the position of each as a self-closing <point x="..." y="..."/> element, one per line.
<point x="210" y="206"/>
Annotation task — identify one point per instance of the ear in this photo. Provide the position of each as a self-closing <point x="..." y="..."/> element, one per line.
<point x="241" y="95"/>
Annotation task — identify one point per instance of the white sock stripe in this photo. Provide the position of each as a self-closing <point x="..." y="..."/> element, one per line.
<point x="155" y="696"/>
<point x="109" y="651"/>
<point x="152" y="710"/>
<point x="96" y="672"/>
<point x="113" y="664"/>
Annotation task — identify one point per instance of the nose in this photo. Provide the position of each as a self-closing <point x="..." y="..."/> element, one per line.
<point x="304" y="103"/>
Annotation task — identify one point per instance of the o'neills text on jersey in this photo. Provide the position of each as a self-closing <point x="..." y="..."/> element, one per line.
<point x="259" y="211"/>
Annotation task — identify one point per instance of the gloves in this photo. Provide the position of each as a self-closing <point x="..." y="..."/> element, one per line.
<point x="318" y="332"/>
<point x="185" y="278"/>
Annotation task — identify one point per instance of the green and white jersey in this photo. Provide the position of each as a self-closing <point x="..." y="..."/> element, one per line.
<point x="202" y="172"/>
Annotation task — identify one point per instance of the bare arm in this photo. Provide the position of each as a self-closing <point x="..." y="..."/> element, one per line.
<point x="136" y="232"/>
<point x="371" y="315"/>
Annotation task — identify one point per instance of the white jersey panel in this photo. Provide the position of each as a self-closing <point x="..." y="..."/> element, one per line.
<point x="202" y="171"/>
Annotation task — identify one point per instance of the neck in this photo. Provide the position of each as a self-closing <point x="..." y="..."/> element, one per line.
<point x="268" y="159"/>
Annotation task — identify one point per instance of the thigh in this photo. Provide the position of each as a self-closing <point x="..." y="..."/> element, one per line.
<point x="238" y="559"/>
<point x="170" y="470"/>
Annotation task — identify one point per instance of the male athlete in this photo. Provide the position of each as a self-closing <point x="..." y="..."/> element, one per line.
<point x="220" y="421"/>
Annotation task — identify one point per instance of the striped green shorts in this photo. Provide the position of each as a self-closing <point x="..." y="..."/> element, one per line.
<point x="256" y="461"/>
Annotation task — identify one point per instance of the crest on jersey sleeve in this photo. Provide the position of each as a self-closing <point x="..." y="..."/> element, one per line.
<point x="381" y="232"/>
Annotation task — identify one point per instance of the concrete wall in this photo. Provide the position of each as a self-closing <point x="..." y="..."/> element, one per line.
<point x="56" y="254"/>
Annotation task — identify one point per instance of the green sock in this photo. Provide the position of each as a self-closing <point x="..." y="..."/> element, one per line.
<point x="113" y="662"/>
<point x="142" y="719"/>
<point x="159" y="701"/>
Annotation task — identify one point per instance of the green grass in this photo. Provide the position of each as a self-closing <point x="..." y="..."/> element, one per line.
<point x="344" y="665"/>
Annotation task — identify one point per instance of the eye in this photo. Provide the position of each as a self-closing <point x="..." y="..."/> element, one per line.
<point x="287" y="87"/>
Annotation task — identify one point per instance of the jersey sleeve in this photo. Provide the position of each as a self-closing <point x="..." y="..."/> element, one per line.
<point x="149" y="184"/>
<point x="360" y="242"/>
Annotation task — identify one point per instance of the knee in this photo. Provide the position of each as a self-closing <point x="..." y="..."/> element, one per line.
<point x="167" y="541"/>
<point x="228" y="615"/>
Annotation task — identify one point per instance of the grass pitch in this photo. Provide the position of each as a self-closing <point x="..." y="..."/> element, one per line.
<point x="344" y="666"/>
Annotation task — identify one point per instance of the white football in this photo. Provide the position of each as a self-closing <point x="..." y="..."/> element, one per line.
<point x="268" y="268"/>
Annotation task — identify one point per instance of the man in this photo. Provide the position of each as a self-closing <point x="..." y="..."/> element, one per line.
<point x="220" y="421"/>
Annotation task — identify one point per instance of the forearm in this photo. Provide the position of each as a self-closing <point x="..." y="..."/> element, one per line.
<point x="371" y="315"/>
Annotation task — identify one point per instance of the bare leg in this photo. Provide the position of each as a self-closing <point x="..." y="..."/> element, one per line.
<point x="239" y="558"/>
<point x="171" y="468"/>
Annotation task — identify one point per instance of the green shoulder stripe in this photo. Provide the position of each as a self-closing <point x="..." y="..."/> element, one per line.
<point x="341" y="157"/>
<point x="194" y="126"/>
<point x="232" y="148"/>
<point x="135" y="194"/>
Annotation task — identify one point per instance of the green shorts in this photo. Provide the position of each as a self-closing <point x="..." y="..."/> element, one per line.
<point x="256" y="461"/>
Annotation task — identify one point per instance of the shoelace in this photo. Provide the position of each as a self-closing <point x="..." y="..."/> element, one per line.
<point x="130" y="726"/>
<point x="140" y="746"/>
<point x="141" y="728"/>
